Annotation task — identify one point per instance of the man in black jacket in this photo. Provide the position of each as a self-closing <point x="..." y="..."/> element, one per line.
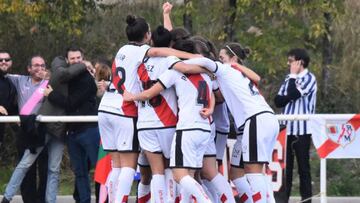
<point x="7" y="90"/>
<point x="83" y="138"/>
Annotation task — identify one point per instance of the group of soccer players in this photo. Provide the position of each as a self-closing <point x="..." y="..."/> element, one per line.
<point x="166" y="109"/>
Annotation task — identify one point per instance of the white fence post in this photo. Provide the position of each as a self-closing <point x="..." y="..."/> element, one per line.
<point x="323" y="181"/>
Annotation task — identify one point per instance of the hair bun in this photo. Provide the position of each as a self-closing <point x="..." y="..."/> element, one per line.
<point x="131" y="20"/>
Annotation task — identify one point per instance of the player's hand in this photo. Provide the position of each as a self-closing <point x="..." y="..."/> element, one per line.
<point x="127" y="96"/>
<point x="3" y="111"/>
<point x="102" y="85"/>
<point x="167" y="8"/>
<point x="206" y="113"/>
<point x="211" y="75"/>
<point x="295" y="67"/>
<point x="48" y="90"/>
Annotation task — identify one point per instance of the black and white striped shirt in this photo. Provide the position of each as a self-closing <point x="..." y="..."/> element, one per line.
<point x="297" y="95"/>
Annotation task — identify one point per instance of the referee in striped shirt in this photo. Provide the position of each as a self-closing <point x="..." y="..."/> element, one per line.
<point x="297" y="95"/>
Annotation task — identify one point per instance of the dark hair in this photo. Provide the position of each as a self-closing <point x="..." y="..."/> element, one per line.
<point x="161" y="37"/>
<point x="29" y="61"/>
<point x="3" y="51"/>
<point x="235" y="49"/>
<point x="186" y="45"/>
<point x="211" y="47"/>
<point x="136" y="28"/>
<point x="179" y="33"/>
<point x="300" y="54"/>
<point x="73" y="48"/>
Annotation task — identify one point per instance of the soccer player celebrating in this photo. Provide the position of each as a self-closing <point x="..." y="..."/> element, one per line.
<point x="117" y="118"/>
<point x="249" y="109"/>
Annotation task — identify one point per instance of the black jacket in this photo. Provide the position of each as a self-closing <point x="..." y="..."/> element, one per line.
<point x="7" y="100"/>
<point x="61" y="74"/>
<point x="81" y="99"/>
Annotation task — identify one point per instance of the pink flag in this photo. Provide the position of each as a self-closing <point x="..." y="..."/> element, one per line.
<point x="34" y="99"/>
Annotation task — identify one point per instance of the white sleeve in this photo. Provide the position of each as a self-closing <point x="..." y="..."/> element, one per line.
<point x="171" y="61"/>
<point x="143" y="51"/>
<point x="168" y="78"/>
<point x="203" y="62"/>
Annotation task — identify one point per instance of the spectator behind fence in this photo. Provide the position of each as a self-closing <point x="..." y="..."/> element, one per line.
<point x="297" y="95"/>
<point x="83" y="138"/>
<point x="61" y="73"/>
<point x="29" y="98"/>
<point x="7" y="91"/>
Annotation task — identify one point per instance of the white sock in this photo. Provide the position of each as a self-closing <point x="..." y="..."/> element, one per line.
<point x="194" y="188"/>
<point x="170" y="185"/>
<point x="223" y="188"/>
<point x="258" y="184"/>
<point x="210" y="191"/>
<point x="185" y="197"/>
<point x="270" y="191"/>
<point x="179" y="192"/>
<point x="111" y="183"/>
<point x="158" y="188"/>
<point x="243" y="187"/>
<point x="143" y="193"/>
<point x="125" y="181"/>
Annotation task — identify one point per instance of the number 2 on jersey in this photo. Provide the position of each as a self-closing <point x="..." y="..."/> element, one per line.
<point x="120" y="75"/>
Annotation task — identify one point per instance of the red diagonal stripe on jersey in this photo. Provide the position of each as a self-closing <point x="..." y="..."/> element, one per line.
<point x="163" y="111"/>
<point x="326" y="148"/>
<point x="355" y="121"/>
<point x="195" y="79"/>
<point x="129" y="108"/>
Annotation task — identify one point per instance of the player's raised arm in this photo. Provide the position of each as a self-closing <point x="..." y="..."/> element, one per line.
<point x="166" y="15"/>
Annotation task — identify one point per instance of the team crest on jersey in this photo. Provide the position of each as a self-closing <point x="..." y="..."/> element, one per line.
<point x="343" y="134"/>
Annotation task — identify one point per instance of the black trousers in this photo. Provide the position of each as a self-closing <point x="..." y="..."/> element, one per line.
<point x="33" y="191"/>
<point x="299" y="146"/>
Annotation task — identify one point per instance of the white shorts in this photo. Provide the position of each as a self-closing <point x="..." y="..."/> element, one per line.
<point x="142" y="160"/>
<point x="188" y="148"/>
<point x="236" y="155"/>
<point x="220" y="144"/>
<point x="118" y="133"/>
<point x="259" y="138"/>
<point x="157" y="140"/>
<point x="211" y="148"/>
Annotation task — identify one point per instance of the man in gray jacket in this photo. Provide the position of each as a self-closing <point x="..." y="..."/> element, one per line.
<point x="61" y="73"/>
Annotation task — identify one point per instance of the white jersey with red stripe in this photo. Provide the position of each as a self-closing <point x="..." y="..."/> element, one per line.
<point x="193" y="92"/>
<point x="124" y="76"/>
<point x="241" y="95"/>
<point x="160" y="111"/>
